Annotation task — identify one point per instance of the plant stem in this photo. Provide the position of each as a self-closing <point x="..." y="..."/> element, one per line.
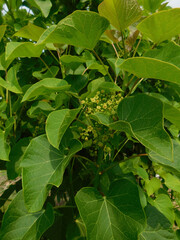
<point x="60" y="63"/>
<point x="85" y="158"/>
<point x="123" y="42"/>
<point x="135" y="51"/>
<point x="54" y="56"/>
<point x="46" y="66"/>
<point x="103" y="65"/>
<point x="135" y="86"/>
<point x="10" y="10"/>
<point x="120" y="149"/>
<point x="115" y="50"/>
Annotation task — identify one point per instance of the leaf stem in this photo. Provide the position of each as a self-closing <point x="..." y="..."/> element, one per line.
<point x="46" y="66"/>
<point x="135" y="51"/>
<point x="103" y="65"/>
<point x="60" y="63"/>
<point x="137" y="82"/>
<point x="120" y="149"/>
<point x="115" y="50"/>
<point x="123" y="42"/>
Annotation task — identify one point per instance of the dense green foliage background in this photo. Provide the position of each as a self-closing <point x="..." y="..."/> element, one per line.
<point x="90" y="120"/>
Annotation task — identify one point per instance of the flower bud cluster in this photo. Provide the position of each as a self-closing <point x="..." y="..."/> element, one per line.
<point x="102" y="102"/>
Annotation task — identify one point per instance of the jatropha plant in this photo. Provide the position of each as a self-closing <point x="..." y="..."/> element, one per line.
<point x="89" y="120"/>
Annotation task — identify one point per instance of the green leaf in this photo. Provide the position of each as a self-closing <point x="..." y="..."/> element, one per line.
<point x="44" y="87"/>
<point x="120" y="13"/>
<point x="11" y="82"/>
<point x="30" y="31"/>
<point x="2" y="31"/>
<point x="172" y="166"/>
<point x="152" y="185"/>
<point x="73" y="62"/>
<point x="164" y="205"/>
<point x="43" y="5"/>
<point x="19" y="224"/>
<point x="80" y="29"/>
<point x="44" y="166"/>
<point x="39" y="107"/>
<point x="15" y="157"/>
<point x="3" y="63"/>
<point x="158" y="226"/>
<point x="172" y="182"/>
<point x="4" y="148"/>
<point x="145" y="67"/>
<point x="171" y="112"/>
<point x="118" y="215"/>
<point x="151" y="5"/>
<point x="57" y="124"/>
<point x="50" y="73"/>
<point x="142" y="116"/>
<point x="22" y="49"/>
<point x="161" y="26"/>
<point x="77" y="82"/>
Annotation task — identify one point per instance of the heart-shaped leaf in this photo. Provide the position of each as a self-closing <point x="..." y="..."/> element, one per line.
<point x="19" y="224"/>
<point x="118" y="215"/>
<point x="162" y="25"/>
<point x="120" y="13"/>
<point x="81" y="29"/>
<point x="44" y="166"/>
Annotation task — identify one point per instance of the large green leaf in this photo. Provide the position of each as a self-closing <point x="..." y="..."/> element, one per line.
<point x="44" y="166"/>
<point x="118" y="215"/>
<point x="171" y="112"/>
<point x="22" y="49"/>
<point x="162" y="25"/>
<point x="57" y="124"/>
<point x="43" y="5"/>
<point x="30" y="31"/>
<point x="120" y="13"/>
<point x="142" y="117"/>
<point x="21" y="225"/>
<point x="158" y="226"/>
<point x="11" y="82"/>
<point x="81" y="29"/>
<point x="4" y="148"/>
<point x="44" y="87"/>
<point x="144" y="67"/>
<point x="172" y="166"/>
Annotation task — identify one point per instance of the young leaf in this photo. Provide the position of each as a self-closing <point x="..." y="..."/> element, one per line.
<point x="161" y="26"/>
<point x="30" y="31"/>
<point x="118" y="215"/>
<point x="4" y="148"/>
<point x="80" y="29"/>
<point x="44" y="87"/>
<point x="43" y="5"/>
<point x="158" y="226"/>
<point x="22" y="49"/>
<point x="19" y="224"/>
<point x="151" y="5"/>
<point x="57" y="123"/>
<point x="120" y="13"/>
<point x="44" y="166"/>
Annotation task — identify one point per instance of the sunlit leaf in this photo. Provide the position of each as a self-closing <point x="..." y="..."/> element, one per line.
<point x="43" y="5"/>
<point x="162" y="25"/>
<point x="81" y="29"/>
<point x="120" y="13"/>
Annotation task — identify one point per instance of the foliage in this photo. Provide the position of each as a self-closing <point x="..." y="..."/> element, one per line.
<point x="90" y="119"/>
